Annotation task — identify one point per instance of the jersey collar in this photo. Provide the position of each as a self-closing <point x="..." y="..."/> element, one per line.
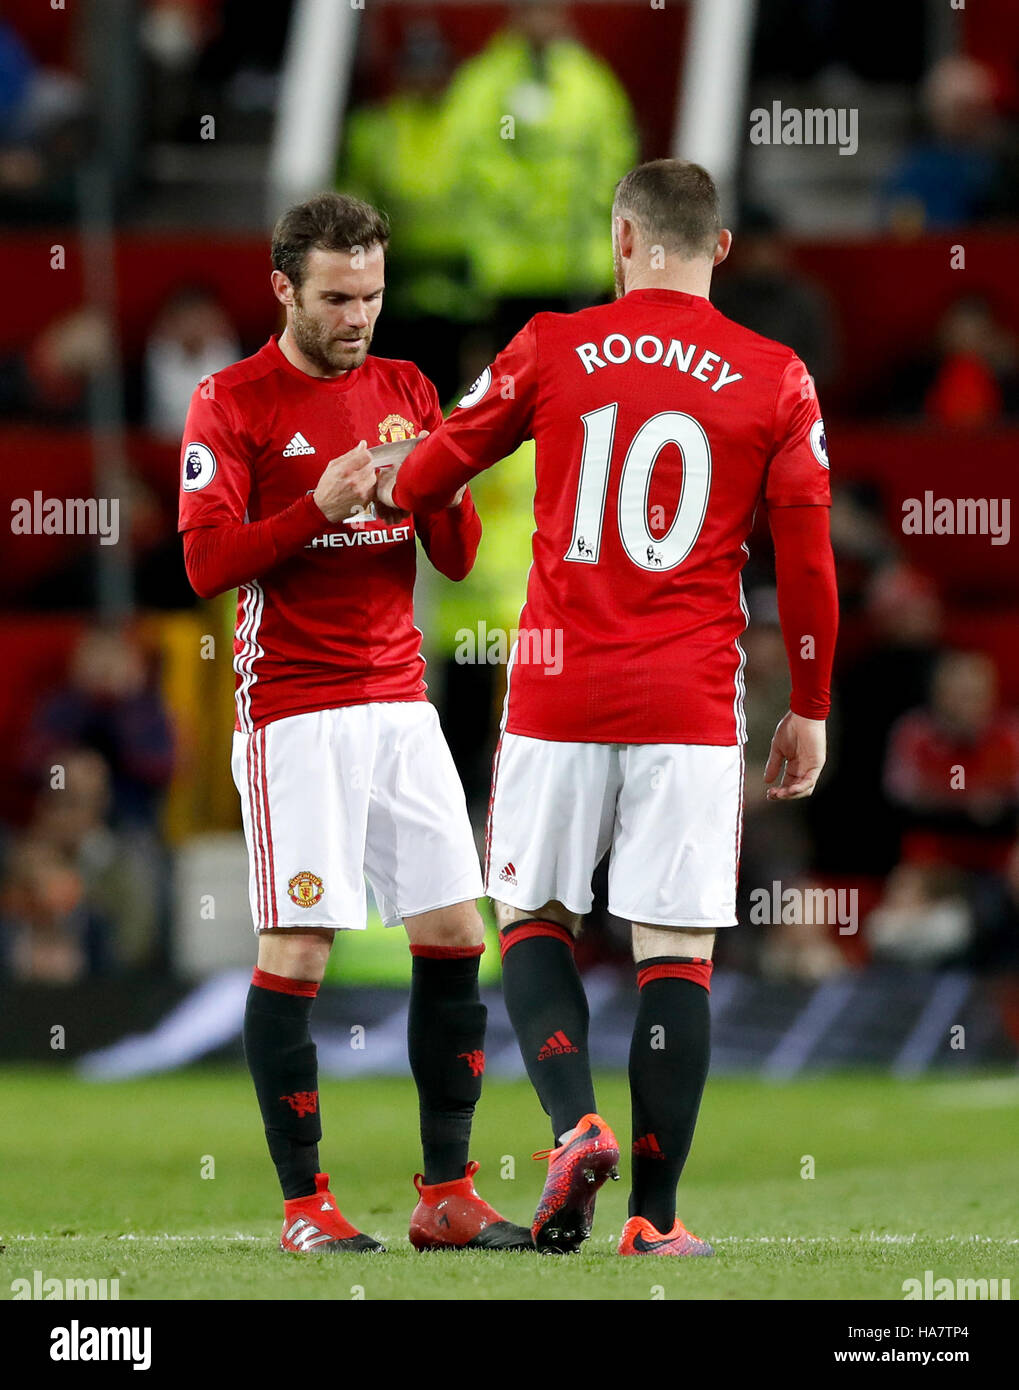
<point x="676" y="297"/>
<point x="321" y="383"/>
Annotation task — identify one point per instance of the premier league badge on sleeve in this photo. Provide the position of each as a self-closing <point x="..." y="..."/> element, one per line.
<point x="199" y="467"/>
<point x="819" y="443"/>
<point x="478" y="390"/>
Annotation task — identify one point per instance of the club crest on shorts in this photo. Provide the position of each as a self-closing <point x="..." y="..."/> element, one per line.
<point x="305" y="889"/>
<point x="395" y="427"/>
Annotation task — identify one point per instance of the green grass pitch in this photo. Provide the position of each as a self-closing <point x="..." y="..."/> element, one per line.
<point x="106" y="1181"/>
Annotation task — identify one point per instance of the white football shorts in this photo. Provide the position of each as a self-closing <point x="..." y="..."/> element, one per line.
<point x="331" y="797"/>
<point x="670" y="813"/>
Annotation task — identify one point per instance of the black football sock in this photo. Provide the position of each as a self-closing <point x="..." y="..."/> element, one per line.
<point x="669" y="1057"/>
<point x="284" y="1067"/>
<point x="547" y="1006"/>
<point x="446" y="1045"/>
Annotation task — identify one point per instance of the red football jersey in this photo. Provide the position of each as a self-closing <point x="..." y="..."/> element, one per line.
<point x="659" y="425"/>
<point x="332" y="624"/>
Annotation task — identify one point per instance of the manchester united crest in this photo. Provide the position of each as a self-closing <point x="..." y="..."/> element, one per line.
<point x="305" y="889"/>
<point x="395" y="427"/>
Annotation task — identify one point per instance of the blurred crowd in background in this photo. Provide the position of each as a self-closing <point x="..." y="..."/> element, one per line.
<point x="486" y="233"/>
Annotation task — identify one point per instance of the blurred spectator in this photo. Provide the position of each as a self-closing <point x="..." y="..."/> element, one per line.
<point x="172" y="35"/>
<point x="540" y="131"/>
<point x="949" y="176"/>
<point x="923" y="918"/>
<point x="953" y="768"/>
<point x="191" y="338"/>
<point x="174" y="31"/>
<point x="858" y="832"/>
<point x="242" y="59"/>
<point x="102" y="749"/>
<point x="110" y="705"/>
<point x="396" y="156"/>
<point x="969" y="379"/>
<point x="51" y="381"/>
<point x="119" y="869"/>
<point x="207" y="56"/>
<point x="996" y="900"/>
<point x="765" y="294"/>
<point x="78" y="897"/>
<point x="41" y="132"/>
<point x="43" y="920"/>
<point x="17" y="75"/>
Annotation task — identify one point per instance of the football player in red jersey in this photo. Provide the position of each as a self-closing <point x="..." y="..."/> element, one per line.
<point x="338" y="757"/>
<point x="659" y="427"/>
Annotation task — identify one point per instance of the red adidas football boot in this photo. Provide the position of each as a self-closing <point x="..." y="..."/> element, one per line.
<point x="576" y="1170"/>
<point x="640" y="1238"/>
<point x="314" y="1224"/>
<point x="451" y="1216"/>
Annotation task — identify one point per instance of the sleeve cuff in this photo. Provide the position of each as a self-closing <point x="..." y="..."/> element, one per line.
<point x="301" y="522"/>
<point x="810" y="709"/>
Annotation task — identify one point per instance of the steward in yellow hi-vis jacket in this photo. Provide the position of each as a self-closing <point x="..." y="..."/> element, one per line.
<point x="396" y="156"/>
<point x="539" y="132"/>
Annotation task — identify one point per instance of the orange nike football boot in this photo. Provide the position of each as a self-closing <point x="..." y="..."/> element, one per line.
<point x="641" y="1238"/>
<point x="315" y="1224"/>
<point x="576" y="1170"/>
<point x="451" y="1216"/>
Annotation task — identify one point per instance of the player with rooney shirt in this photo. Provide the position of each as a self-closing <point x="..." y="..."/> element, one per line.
<point x="659" y="427"/>
<point x="338" y="757"/>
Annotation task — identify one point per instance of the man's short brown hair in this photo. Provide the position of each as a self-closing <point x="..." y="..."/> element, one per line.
<point x="674" y="204"/>
<point x="327" y="222"/>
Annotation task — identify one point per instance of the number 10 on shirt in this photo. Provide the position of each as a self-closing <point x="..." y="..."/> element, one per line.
<point x="647" y="551"/>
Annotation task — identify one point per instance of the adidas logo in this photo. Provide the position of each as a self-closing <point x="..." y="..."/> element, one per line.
<point x="556" y="1046"/>
<point x="508" y="873"/>
<point x="647" y="1146"/>
<point x="304" y="1236"/>
<point x="298" y="445"/>
<point x="327" y="1206"/>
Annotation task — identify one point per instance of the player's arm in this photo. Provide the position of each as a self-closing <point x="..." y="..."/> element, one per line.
<point x="490" y="422"/>
<point x="221" y="550"/>
<point x="451" y="536"/>
<point x="219" y="558"/>
<point x="798" y="497"/>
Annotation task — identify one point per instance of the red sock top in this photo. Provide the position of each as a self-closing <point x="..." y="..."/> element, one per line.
<point x="698" y="971"/>
<point x="445" y="952"/>
<point x="282" y="984"/>
<point x="523" y="931"/>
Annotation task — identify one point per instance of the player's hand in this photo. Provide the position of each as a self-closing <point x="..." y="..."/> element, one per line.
<point x="797" y="753"/>
<point x="347" y="484"/>
<point x="386" y="480"/>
